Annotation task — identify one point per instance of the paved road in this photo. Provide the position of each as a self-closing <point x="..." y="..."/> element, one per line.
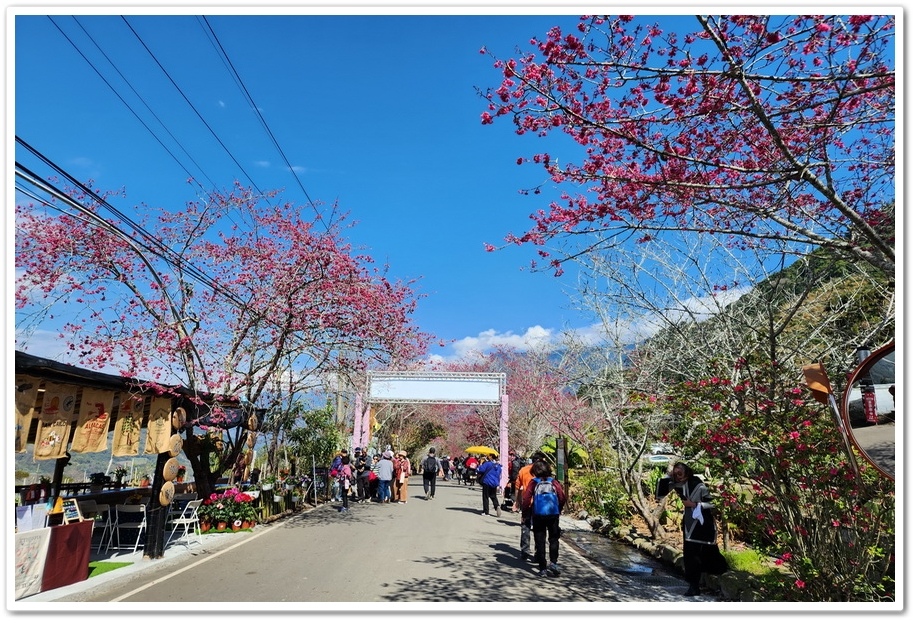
<point x="442" y="550"/>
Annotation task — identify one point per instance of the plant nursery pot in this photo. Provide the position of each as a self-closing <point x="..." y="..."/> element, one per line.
<point x="221" y="525"/>
<point x="236" y="525"/>
<point x="205" y="525"/>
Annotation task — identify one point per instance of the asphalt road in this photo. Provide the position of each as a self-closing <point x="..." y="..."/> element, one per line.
<point x="415" y="554"/>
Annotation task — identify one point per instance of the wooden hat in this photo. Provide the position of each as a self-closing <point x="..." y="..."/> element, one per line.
<point x="175" y="445"/>
<point x="170" y="469"/>
<point x="167" y="493"/>
<point x="179" y="418"/>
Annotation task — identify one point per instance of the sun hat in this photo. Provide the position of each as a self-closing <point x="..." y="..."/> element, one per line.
<point x="402" y="453"/>
<point x="387" y="454"/>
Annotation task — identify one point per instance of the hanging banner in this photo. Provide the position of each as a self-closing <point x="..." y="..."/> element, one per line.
<point x="159" y="427"/>
<point x="57" y="413"/>
<point x="26" y="395"/>
<point x="92" y="426"/>
<point x="127" y="426"/>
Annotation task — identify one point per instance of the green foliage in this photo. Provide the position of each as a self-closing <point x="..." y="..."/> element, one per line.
<point x="599" y="494"/>
<point x="315" y="434"/>
<point x="786" y="480"/>
<point x="576" y="455"/>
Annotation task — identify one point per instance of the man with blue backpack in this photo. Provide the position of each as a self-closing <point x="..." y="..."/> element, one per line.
<point x="544" y="499"/>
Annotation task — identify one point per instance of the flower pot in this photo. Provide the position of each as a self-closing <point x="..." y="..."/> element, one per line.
<point x="278" y="498"/>
<point x="205" y="525"/>
<point x="254" y="494"/>
<point x="289" y="487"/>
<point x="295" y="499"/>
<point x="221" y="525"/>
<point x="267" y="486"/>
<point x="236" y="525"/>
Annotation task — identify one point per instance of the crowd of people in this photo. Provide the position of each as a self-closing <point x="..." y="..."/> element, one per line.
<point x="531" y="491"/>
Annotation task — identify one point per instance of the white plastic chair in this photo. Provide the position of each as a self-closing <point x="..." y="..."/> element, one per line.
<point x="126" y="518"/>
<point x="188" y="521"/>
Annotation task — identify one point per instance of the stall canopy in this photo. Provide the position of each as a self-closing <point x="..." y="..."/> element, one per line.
<point x="61" y="407"/>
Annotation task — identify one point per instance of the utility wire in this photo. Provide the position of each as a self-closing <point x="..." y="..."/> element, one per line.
<point x="257" y="111"/>
<point x="153" y="244"/>
<point x="128" y="106"/>
<point x="199" y="116"/>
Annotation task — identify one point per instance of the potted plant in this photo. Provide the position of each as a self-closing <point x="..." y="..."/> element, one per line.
<point x="248" y="514"/>
<point x="267" y="483"/>
<point x="119" y="473"/>
<point x="97" y="481"/>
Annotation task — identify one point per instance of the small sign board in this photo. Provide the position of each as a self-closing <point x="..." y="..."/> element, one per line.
<point x="71" y="511"/>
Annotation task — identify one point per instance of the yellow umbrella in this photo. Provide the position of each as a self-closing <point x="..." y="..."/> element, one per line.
<point x="481" y="450"/>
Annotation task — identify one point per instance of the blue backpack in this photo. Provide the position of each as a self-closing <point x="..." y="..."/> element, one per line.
<point x="545" y="498"/>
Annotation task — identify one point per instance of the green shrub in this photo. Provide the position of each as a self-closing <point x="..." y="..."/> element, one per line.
<point x="599" y="495"/>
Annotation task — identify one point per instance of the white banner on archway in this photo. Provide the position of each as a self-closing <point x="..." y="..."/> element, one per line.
<point x="436" y="387"/>
<point x="456" y="388"/>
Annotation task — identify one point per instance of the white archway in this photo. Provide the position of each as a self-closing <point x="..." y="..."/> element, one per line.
<point x="466" y="388"/>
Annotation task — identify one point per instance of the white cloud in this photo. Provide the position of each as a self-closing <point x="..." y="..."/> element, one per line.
<point x="534" y="337"/>
<point x="262" y="163"/>
<point x="622" y="331"/>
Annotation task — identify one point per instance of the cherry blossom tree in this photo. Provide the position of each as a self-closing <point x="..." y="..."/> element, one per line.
<point x="236" y="296"/>
<point x="764" y="129"/>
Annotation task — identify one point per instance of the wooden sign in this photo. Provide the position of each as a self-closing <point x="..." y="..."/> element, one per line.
<point x="71" y="511"/>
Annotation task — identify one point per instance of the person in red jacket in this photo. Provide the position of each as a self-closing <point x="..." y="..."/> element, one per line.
<point x="470" y="469"/>
<point x="545" y="509"/>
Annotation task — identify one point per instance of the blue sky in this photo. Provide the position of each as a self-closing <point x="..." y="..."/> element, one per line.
<point x="378" y="113"/>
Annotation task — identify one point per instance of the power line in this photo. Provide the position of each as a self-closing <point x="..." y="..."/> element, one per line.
<point x="127" y="105"/>
<point x="152" y="244"/>
<point x="257" y="112"/>
<point x="194" y="108"/>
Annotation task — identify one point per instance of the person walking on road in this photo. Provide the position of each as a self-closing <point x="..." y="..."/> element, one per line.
<point x="446" y="467"/>
<point x="345" y="478"/>
<point x="544" y="498"/>
<point x="431" y="471"/>
<point x="385" y="471"/>
<point x="490" y="472"/>
<point x="521" y="482"/>
<point x="470" y="469"/>
<point x="401" y="477"/>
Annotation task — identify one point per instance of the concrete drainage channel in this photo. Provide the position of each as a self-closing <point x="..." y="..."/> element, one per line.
<point x="623" y="559"/>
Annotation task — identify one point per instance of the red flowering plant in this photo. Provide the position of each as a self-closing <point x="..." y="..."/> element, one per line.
<point x="784" y="480"/>
<point x="226" y="506"/>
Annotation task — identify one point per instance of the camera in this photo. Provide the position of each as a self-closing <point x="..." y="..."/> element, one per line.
<point x="663" y="487"/>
